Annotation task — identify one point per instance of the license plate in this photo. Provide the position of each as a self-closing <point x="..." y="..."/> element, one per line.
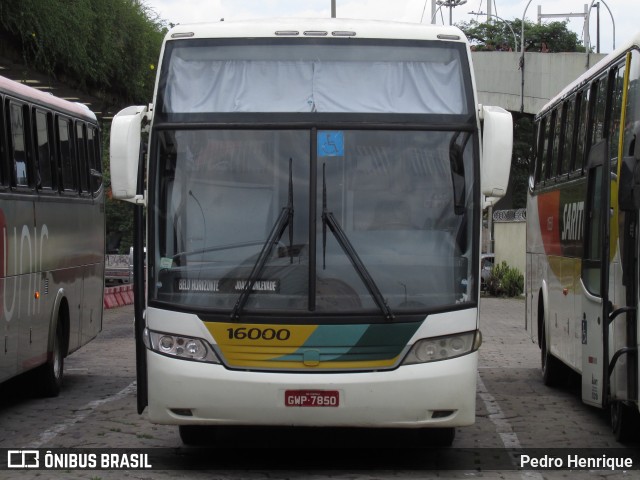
<point x="312" y="398"/>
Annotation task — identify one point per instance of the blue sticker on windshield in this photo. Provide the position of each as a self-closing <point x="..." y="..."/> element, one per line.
<point x="330" y="143"/>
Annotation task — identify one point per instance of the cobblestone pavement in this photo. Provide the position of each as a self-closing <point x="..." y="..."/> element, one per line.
<point x="97" y="409"/>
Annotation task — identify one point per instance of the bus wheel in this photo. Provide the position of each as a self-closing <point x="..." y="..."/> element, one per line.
<point x="50" y="374"/>
<point x="198" y="435"/>
<point x="624" y="421"/>
<point x="552" y="369"/>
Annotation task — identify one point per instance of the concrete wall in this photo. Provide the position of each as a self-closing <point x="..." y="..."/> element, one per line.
<point x="499" y="78"/>
<point x="510" y="244"/>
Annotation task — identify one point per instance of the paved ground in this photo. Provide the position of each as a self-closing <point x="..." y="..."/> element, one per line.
<point x="514" y="410"/>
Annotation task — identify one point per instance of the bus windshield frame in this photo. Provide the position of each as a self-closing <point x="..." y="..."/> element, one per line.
<point x="415" y="137"/>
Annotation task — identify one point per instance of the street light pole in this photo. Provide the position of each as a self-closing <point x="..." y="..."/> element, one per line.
<point x="612" y="21"/>
<point x="522" y="57"/>
<point x="333" y="8"/>
<point x="587" y="14"/>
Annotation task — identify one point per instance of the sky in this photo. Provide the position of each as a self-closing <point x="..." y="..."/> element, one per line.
<point x="625" y="14"/>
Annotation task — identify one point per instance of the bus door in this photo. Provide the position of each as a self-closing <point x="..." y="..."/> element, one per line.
<point x="139" y="284"/>
<point x="629" y="205"/>
<point x="595" y="277"/>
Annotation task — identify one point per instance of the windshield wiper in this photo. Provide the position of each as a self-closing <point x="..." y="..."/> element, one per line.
<point x="284" y="219"/>
<point x="328" y="219"/>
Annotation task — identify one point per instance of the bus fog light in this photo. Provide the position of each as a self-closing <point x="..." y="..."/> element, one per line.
<point x="443" y="348"/>
<point x="181" y="347"/>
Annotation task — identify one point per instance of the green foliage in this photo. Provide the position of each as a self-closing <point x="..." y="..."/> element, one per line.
<point x="102" y="45"/>
<point x="119" y="214"/>
<point x="505" y="281"/>
<point x="109" y="48"/>
<point x="496" y="35"/>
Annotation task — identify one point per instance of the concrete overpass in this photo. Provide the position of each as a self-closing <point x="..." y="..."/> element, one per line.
<point x="499" y="78"/>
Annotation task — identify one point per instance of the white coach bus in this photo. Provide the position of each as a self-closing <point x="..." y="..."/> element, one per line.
<point x="582" y="236"/>
<point x="314" y="201"/>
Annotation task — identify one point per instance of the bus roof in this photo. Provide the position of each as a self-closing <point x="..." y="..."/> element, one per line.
<point x="38" y="97"/>
<point x="633" y="41"/>
<point x="316" y="28"/>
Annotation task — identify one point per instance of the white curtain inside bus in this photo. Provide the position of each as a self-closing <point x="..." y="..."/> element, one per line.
<point x="205" y="85"/>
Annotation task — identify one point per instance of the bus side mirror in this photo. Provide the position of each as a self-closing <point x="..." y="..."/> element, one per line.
<point x="629" y="184"/>
<point x="124" y="153"/>
<point x="497" y="145"/>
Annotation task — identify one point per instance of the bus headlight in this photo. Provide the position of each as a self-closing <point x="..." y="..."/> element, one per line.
<point x="178" y="346"/>
<point x="443" y="348"/>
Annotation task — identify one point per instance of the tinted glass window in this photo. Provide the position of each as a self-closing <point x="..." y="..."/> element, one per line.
<point x="544" y="171"/>
<point x="567" y="143"/>
<point x="616" y="104"/>
<point x="83" y="169"/>
<point x="599" y="111"/>
<point x="67" y="168"/>
<point x="93" y="155"/>
<point x="555" y="147"/>
<point x="581" y="105"/>
<point x="43" y="151"/>
<point x="18" y="144"/>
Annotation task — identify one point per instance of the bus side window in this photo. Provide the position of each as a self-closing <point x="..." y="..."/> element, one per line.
<point x="565" y="138"/>
<point x="81" y="150"/>
<point x="544" y="147"/>
<point x="556" y="127"/>
<point x="616" y="109"/>
<point x="582" y="103"/>
<point x="65" y="150"/>
<point x="4" y="167"/>
<point x="599" y="111"/>
<point x="567" y="142"/>
<point x="532" y="165"/>
<point x="632" y="116"/>
<point x="18" y="145"/>
<point x="549" y="130"/>
<point x="44" y="153"/>
<point x="592" y="262"/>
<point x="93" y="156"/>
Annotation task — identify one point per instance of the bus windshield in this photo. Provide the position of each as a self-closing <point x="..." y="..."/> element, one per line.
<point x="402" y="199"/>
<point x="300" y="75"/>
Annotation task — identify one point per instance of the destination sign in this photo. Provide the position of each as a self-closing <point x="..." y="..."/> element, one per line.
<point x="225" y="285"/>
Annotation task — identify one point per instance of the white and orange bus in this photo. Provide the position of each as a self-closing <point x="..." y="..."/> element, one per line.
<point x="582" y="236"/>
<point x="314" y="202"/>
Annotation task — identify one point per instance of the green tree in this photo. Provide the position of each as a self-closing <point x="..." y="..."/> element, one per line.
<point x="106" y="47"/>
<point x="496" y="34"/>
